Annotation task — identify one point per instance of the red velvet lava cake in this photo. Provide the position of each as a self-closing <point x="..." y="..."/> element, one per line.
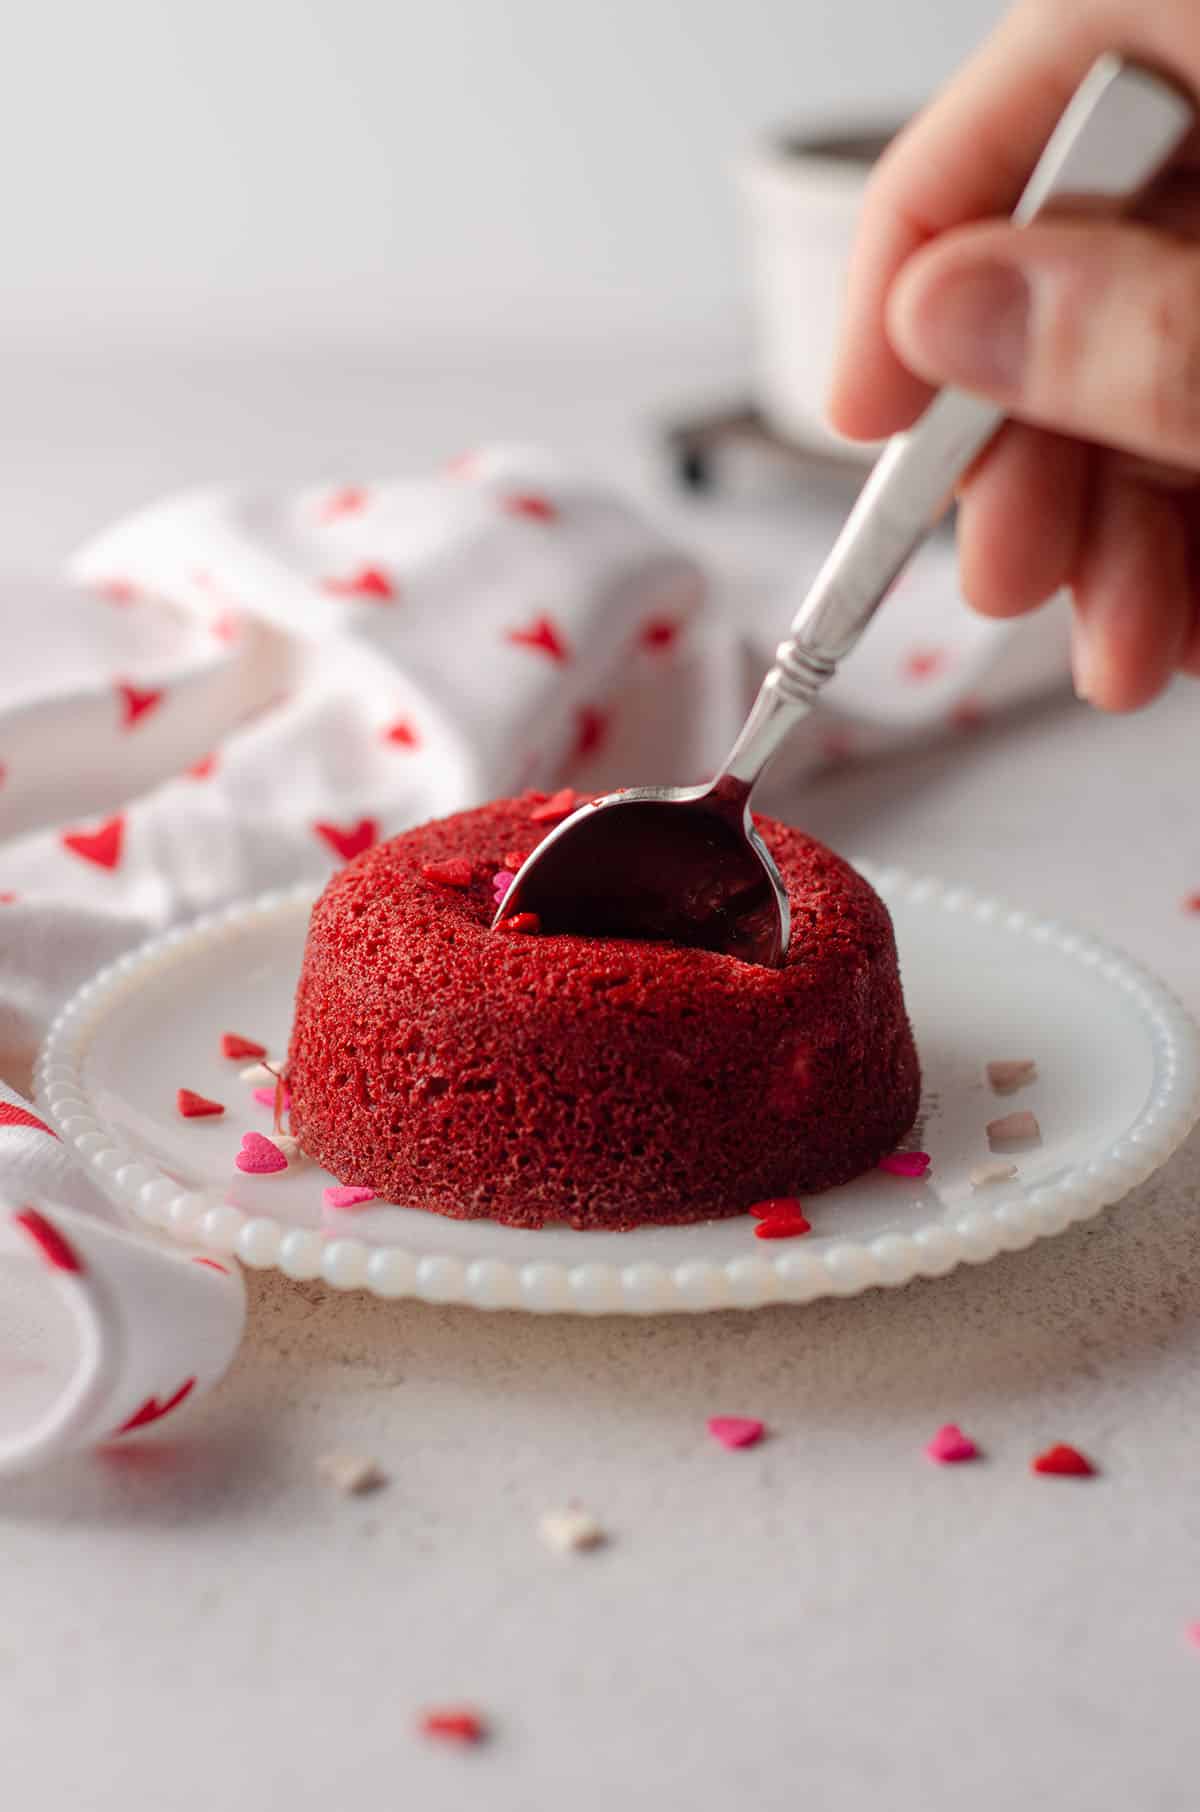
<point x="601" y="1082"/>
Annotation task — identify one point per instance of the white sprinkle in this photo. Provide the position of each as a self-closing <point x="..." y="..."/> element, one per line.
<point x="291" y="1150"/>
<point x="992" y="1173"/>
<point x="1010" y="1074"/>
<point x="569" y="1529"/>
<point x="350" y="1473"/>
<point x="258" y="1074"/>
<point x="1011" y="1127"/>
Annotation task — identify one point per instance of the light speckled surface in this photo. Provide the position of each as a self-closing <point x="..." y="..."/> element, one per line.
<point x="824" y="1620"/>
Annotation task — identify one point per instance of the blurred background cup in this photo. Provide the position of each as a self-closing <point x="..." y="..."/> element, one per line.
<point x="801" y="195"/>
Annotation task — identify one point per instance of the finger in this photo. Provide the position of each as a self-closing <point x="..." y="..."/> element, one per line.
<point x="967" y="157"/>
<point x="1133" y="596"/>
<point x="1020" y="520"/>
<point x="1092" y="330"/>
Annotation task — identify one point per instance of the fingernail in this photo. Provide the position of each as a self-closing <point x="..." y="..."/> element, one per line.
<point x="970" y="325"/>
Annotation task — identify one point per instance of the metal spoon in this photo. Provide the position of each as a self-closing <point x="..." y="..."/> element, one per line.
<point x="685" y="864"/>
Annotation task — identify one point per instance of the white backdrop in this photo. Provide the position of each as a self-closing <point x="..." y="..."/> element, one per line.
<point x="395" y="165"/>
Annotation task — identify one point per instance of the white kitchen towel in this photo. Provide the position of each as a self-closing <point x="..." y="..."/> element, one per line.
<point x="237" y="690"/>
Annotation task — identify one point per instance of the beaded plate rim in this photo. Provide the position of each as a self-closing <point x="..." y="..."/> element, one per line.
<point x="843" y="1268"/>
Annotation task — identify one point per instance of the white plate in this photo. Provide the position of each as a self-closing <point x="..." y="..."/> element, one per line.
<point x="1118" y="1090"/>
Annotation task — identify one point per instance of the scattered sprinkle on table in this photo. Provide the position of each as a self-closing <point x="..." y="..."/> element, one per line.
<point x="736" y="1431"/>
<point x="351" y="1473"/>
<point x="290" y="1147"/>
<point x="1008" y="1074"/>
<point x="1010" y="1128"/>
<point x="196" y="1107"/>
<point x="906" y="1163"/>
<point x="950" y="1446"/>
<point x="453" y="1724"/>
<point x="983" y="1174"/>
<point x="260" y="1156"/>
<point x="235" y="1046"/>
<point x="257" y="1073"/>
<point x="1066" y="1462"/>
<point x="348" y="1195"/>
<point x="570" y="1529"/>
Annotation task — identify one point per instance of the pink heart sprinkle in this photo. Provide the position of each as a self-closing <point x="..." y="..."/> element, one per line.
<point x="906" y="1163"/>
<point x="501" y="883"/>
<point x="736" y="1431"/>
<point x="348" y="1195"/>
<point x="259" y="1156"/>
<point x="1192" y="1633"/>
<point x="267" y="1096"/>
<point x="950" y="1445"/>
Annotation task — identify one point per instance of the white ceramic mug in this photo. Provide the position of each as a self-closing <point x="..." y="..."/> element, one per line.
<point x="801" y="198"/>
<point x="103" y="1333"/>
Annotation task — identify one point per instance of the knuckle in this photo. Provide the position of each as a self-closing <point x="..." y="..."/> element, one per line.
<point x="1171" y="399"/>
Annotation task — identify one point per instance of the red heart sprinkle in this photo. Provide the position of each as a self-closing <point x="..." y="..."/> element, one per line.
<point x="136" y="701"/>
<point x="514" y="860"/>
<point x="528" y="503"/>
<point x="560" y="805"/>
<point x="367" y="582"/>
<point x="527" y="922"/>
<point x="101" y="846"/>
<point x="235" y="1046"/>
<point x="776" y="1204"/>
<point x="782" y="1226"/>
<point x="906" y="1163"/>
<point x="736" y="1431"/>
<point x="196" y="1107"/>
<point x="349" y="840"/>
<point x="542" y="635"/>
<point x="457" y="872"/>
<point x="456" y="1724"/>
<point x="1064" y="1462"/>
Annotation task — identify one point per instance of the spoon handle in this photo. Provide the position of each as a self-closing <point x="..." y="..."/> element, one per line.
<point x="1118" y="132"/>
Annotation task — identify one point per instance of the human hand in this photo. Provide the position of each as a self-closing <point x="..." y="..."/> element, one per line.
<point x="1087" y="333"/>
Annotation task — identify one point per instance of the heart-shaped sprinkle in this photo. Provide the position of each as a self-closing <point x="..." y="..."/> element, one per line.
<point x="266" y="1096"/>
<point x="736" y="1431"/>
<point x="782" y="1226"/>
<point x="501" y="882"/>
<point x="196" y="1107"/>
<point x="456" y="1725"/>
<point x="775" y="1205"/>
<point x="950" y="1446"/>
<point x="515" y="859"/>
<point x="347" y="1195"/>
<point x="1065" y="1462"/>
<point x="527" y="923"/>
<point x="457" y="872"/>
<point x="257" y="1074"/>
<point x="259" y="1157"/>
<point x="559" y="805"/>
<point x="905" y="1163"/>
<point x="235" y="1046"/>
<point x="1011" y="1128"/>
<point x="402" y="734"/>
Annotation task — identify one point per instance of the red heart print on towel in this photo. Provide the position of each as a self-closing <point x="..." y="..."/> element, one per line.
<point x="531" y="504"/>
<point x="136" y="701"/>
<point x="925" y="663"/>
<point x="154" y="1411"/>
<point x="12" y="1115"/>
<point x="349" y="840"/>
<point x="402" y="734"/>
<point x="346" y="502"/>
<point x="591" y="731"/>
<point x="58" y="1252"/>
<point x="542" y="635"/>
<point x="659" y="634"/>
<point x="202" y="769"/>
<point x="368" y="582"/>
<point x="101" y="846"/>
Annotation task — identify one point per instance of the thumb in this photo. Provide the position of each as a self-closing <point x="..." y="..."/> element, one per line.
<point x="1092" y="329"/>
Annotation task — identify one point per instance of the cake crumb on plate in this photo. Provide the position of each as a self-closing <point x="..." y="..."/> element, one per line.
<point x="1008" y="1074"/>
<point x="1010" y="1128"/>
<point x="570" y="1529"/>
<point x="352" y="1474"/>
